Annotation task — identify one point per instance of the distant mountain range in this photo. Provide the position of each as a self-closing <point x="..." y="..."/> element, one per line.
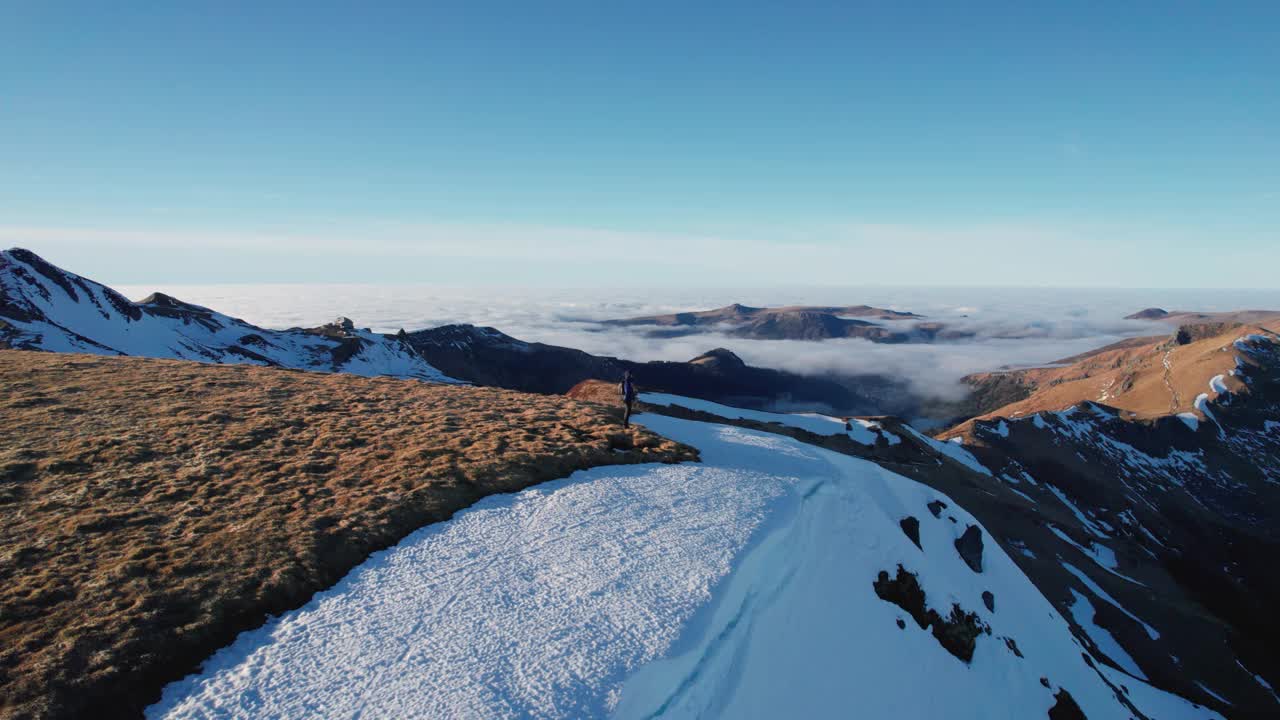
<point x="43" y="307"/>
<point x="486" y="356"/>
<point x="799" y="322"/>
<point x="1185" y="317"/>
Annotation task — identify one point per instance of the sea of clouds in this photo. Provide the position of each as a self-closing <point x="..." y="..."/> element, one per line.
<point x="1013" y="326"/>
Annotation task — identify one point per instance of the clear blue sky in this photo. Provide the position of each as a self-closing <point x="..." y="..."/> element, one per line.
<point x="645" y="143"/>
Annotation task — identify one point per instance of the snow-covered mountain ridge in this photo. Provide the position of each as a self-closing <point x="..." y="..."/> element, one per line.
<point x="43" y="307"/>
<point x="750" y="585"/>
<point x="1153" y="537"/>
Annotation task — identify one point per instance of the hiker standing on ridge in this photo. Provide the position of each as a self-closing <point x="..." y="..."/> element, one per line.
<point x="628" y="398"/>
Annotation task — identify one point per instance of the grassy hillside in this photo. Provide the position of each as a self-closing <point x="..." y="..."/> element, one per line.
<point x="1144" y="377"/>
<point x="153" y="509"/>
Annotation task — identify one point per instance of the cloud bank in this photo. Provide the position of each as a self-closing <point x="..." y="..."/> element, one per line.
<point x="1047" y="324"/>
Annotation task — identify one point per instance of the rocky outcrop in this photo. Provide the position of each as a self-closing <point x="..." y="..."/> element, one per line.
<point x="911" y="527"/>
<point x="969" y="546"/>
<point x="1065" y="707"/>
<point x="958" y="632"/>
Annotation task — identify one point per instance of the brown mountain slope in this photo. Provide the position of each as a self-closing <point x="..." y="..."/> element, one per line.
<point x="1187" y="505"/>
<point x="153" y="509"/>
<point x="1143" y="377"/>
<point x="1191" y="317"/>
<point x="1167" y="526"/>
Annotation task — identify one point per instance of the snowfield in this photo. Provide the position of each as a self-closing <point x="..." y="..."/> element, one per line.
<point x="738" y="587"/>
<point x="859" y="430"/>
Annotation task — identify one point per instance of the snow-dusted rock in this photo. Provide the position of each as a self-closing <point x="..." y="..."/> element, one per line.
<point x="43" y="307"/>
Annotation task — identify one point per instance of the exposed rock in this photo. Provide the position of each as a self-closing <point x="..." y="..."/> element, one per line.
<point x="936" y="507"/>
<point x="911" y="526"/>
<point x="1013" y="648"/>
<point x="904" y="591"/>
<point x="989" y="600"/>
<point x="957" y="633"/>
<point x="969" y="545"/>
<point x="1065" y="707"/>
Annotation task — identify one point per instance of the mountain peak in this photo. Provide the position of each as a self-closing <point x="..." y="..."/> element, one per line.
<point x="161" y="300"/>
<point x="43" y="307"/>
<point x="720" y="358"/>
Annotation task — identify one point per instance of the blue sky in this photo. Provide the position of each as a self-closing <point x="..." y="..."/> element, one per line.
<point x="1114" y="144"/>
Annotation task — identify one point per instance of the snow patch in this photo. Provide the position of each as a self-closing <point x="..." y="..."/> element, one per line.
<point x="953" y="450"/>
<point x="1153" y="702"/>
<point x="1084" y="520"/>
<point x="1248" y="343"/>
<point x="1212" y="694"/>
<point x="1083" y="613"/>
<point x="1001" y="429"/>
<point x="1202" y="404"/>
<point x="1260" y="680"/>
<point x="1218" y="384"/>
<point x="1098" y="591"/>
<point x="860" y="431"/>
<point x="1104" y="556"/>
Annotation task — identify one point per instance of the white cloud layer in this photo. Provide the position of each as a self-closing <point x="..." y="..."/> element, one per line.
<point x="1052" y="324"/>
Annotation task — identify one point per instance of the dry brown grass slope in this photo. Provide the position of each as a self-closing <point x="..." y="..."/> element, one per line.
<point x="1144" y="377"/>
<point x="153" y="509"/>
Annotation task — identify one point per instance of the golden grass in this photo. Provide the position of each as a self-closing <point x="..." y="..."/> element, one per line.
<point x="1134" y="376"/>
<point x="153" y="509"/>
